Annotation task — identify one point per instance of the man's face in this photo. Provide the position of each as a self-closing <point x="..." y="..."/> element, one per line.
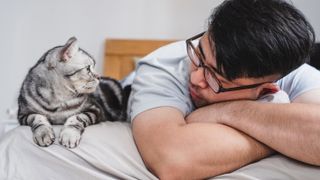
<point x="202" y="94"/>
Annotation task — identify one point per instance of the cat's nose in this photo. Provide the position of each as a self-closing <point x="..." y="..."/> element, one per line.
<point x="96" y="75"/>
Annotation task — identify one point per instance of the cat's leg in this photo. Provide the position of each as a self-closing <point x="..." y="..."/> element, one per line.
<point x="42" y="130"/>
<point x="73" y="128"/>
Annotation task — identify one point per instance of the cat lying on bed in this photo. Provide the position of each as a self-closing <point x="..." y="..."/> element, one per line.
<point x="62" y="88"/>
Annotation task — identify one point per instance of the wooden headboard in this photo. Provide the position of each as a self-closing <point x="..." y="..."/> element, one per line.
<point x="120" y="55"/>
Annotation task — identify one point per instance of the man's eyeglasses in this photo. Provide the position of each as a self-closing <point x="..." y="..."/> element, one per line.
<point x="210" y="72"/>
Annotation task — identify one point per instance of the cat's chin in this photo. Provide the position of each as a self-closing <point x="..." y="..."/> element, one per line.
<point x="90" y="87"/>
<point x="88" y="90"/>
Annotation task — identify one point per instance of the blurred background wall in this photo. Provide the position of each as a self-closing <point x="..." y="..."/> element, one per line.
<point x="29" y="28"/>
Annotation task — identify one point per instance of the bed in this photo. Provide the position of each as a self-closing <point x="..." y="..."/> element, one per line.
<point x="107" y="150"/>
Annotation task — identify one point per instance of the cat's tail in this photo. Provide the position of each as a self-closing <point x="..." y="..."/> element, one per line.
<point x="113" y="99"/>
<point x="126" y="94"/>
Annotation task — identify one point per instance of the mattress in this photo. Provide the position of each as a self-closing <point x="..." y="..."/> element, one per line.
<point x="107" y="151"/>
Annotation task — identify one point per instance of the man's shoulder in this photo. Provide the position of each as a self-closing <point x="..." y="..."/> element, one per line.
<point x="301" y="80"/>
<point x="304" y="70"/>
<point x="172" y="50"/>
<point x="161" y="80"/>
<point x="167" y="60"/>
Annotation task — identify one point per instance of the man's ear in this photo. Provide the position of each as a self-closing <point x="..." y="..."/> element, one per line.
<point x="69" y="49"/>
<point x="267" y="88"/>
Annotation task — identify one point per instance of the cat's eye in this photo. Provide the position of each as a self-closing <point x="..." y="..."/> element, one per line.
<point x="72" y="74"/>
<point x="79" y="70"/>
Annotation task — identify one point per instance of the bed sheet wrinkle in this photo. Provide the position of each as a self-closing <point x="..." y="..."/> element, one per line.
<point x="6" y="169"/>
<point x="33" y="162"/>
<point x="122" y="157"/>
<point x="106" y="151"/>
<point x="274" y="167"/>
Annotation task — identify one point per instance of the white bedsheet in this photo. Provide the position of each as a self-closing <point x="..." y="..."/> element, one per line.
<point x="6" y="125"/>
<point x="107" y="151"/>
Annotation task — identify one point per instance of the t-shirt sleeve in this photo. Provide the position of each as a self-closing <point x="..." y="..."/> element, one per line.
<point x="299" y="81"/>
<point x="160" y="81"/>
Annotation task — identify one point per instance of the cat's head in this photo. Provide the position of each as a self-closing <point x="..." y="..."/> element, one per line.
<point x="74" y="66"/>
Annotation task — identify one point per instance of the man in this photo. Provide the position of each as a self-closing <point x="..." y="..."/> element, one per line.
<point x="203" y="121"/>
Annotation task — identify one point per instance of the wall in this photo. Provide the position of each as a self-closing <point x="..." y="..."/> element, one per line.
<point x="29" y="28"/>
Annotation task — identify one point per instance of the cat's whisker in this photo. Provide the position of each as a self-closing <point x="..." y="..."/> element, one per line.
<point x="73" y="91"/>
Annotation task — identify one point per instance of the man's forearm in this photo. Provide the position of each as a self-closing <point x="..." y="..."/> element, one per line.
<point x="171" y="148"/>
<point x="292" y="129"/>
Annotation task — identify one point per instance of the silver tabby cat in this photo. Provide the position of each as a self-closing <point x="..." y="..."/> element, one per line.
<point x="62" y="88"/>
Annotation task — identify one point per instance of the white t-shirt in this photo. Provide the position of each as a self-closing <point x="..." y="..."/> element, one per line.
<point x="161" y="79"/>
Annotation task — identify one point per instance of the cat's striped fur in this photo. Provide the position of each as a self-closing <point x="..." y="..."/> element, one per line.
<point x="62" y="88"/>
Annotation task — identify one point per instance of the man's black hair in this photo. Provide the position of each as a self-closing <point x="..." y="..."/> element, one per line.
<point x="255" y="38"/>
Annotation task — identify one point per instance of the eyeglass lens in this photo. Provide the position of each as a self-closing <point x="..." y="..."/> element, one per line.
<point x="209" y="76"/>
<point x="193" y="55"/>
<point x="211" y="80"/>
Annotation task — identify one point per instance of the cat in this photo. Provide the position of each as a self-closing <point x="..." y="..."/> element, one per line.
<point x="63" y="88"/>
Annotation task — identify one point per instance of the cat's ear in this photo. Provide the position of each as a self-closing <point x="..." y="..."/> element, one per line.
<point x="69" y="49"/>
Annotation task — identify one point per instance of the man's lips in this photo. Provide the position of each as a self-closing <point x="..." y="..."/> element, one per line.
<point x="193" y="94"/>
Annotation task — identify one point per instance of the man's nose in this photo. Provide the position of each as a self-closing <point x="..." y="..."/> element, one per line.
<point x="197" y="78"/>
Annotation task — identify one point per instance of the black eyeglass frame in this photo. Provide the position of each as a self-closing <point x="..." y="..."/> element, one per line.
<point x="212" y="71"/>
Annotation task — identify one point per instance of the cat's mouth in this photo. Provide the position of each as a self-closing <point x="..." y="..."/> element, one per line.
<point x="92" y="85"/>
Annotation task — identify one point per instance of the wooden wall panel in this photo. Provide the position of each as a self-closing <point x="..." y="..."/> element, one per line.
<point x="120" y="55"/>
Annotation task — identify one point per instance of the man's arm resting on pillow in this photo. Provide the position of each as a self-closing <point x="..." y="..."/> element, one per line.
<point x="292" y="129"/>
<point x="173" y="149"/>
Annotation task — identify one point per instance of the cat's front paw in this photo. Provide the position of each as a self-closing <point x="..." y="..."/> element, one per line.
<point x="70" y="137"/>
<point x="43" y="135"/>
